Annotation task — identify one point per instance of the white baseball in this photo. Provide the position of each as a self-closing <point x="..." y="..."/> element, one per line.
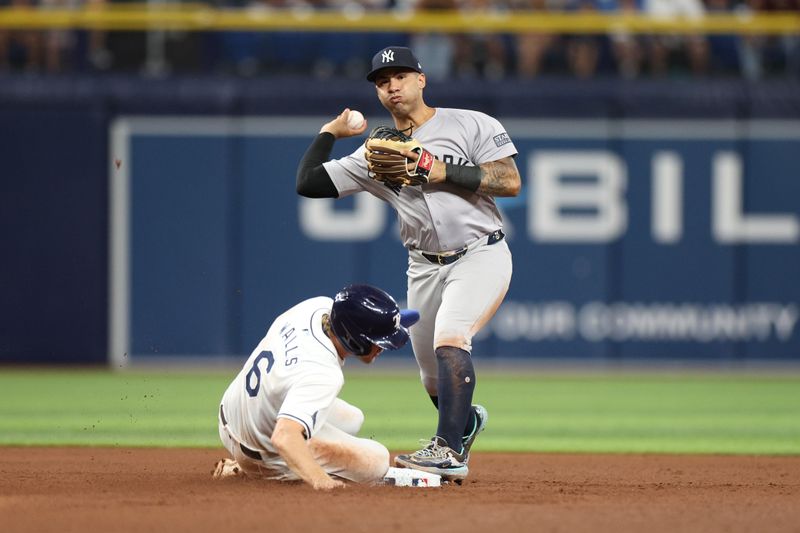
<point x="355" y="120"/>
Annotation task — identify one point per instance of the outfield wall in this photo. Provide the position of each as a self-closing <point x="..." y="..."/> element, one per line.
<point x="144" y="220"/>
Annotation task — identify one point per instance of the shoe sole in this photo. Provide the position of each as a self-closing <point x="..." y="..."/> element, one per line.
<point x="449" y="474"/>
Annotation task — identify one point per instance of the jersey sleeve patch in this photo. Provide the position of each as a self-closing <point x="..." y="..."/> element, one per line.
<point x="500" y="140"/>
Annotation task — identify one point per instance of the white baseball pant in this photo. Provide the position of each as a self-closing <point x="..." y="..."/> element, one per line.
<point x="334" y="446"/>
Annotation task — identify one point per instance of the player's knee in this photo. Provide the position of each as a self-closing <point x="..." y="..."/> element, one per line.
<point x="380" y="462"/>
<point x="354" y="421"/>
<point x="453" y="339"/>
<point x="381" y="454"/>
<point x="346" y="417"/>
<point x="375" y="461"/>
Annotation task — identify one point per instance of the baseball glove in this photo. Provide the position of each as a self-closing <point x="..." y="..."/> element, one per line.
<point x="387" y="164"/>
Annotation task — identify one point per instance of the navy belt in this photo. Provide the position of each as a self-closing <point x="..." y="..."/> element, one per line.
<point x="252" y="454"/>
<point x="451" y="257"/>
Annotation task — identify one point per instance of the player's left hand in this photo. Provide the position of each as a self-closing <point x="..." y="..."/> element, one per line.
<point x="328" y="483"/>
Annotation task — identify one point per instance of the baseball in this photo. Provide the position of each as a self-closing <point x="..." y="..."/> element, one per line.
<point x="355" y="120"/>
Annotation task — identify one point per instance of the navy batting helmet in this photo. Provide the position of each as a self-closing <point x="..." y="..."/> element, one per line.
<point x="363" y="315"/>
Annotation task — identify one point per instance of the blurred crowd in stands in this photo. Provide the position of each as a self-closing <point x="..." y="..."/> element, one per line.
<point x="444" y="56"/>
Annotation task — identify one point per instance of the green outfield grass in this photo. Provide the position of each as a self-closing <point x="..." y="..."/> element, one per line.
<point x="699" y="413"/>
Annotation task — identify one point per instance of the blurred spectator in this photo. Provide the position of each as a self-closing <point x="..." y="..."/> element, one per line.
<point x="444" y="55"/>
<point x="761" y="54"/>
<point x="124" y="51"/>
<point x="583" y="50"/>
<point x="664" y="48"/>
<point x="52" y="51"/>
<point x="481" y="54"/>
<point x="791" y="43"/>
<point x="627" y="48"/>
<point x="577" y="53"/>
<point x="59" y="45"/>
<point x="351" y="53"/>
<point x="99" y="56"/>
<point x="724" y="50"/>
<point x="20" y="48"/>
<point x="247" y="53"/>
<point x="531" y="48"/>
<point x="322" y="54"/>
<point x="435" y="50"/>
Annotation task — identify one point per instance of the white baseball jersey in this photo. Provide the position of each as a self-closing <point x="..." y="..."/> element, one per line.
<point x="442" y="216"/>
<point x="293" y="373"/>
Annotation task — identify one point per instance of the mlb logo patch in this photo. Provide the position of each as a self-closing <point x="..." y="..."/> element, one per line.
<point x="500" y="140"/>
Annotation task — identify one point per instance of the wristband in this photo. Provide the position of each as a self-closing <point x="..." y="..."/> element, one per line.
<point x="424" y="163"/>
<point x="463" y="176"/>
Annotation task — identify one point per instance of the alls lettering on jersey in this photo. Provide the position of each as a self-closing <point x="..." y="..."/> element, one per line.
<point x="289" y="337"/>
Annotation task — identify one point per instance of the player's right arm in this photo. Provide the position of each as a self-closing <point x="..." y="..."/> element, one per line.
<point x="313" y="181"/>
<point x="289" y="440"/>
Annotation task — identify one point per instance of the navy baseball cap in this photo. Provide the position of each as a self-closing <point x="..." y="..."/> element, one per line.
<point x="394" y="57"/>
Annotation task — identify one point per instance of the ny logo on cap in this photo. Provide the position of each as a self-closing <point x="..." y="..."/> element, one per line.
<point x="387" y="56"/>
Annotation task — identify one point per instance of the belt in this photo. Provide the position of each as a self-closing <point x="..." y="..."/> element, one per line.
<point x="252" y="454"/>
<point x="451" y="257"/>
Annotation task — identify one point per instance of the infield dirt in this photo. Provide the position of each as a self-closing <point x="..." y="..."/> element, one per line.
<point x="138" y="489"/>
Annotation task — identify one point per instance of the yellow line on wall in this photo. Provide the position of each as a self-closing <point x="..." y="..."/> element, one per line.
<point x="195" y="17"/>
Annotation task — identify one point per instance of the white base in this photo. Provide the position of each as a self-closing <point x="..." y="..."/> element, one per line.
<point x="408" y="477"/>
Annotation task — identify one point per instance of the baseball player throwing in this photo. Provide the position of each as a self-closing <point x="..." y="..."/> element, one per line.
<point x="439" y="168"/>
<point x="281" y="418"/>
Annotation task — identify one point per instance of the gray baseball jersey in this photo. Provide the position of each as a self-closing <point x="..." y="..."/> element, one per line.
<point x="457" y="299"/>
<point x="438" y="217"/>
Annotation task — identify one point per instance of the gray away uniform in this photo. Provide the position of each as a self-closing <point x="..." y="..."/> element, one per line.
<point x="457" y="299"/>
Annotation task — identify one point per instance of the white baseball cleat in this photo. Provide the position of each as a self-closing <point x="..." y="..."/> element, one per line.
<point x="409" y="477"/>
<point x="226" y="468"/>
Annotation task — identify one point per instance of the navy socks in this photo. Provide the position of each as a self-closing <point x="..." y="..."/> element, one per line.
<point x="455" y="388"/>
<point x="471" y="418"/>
